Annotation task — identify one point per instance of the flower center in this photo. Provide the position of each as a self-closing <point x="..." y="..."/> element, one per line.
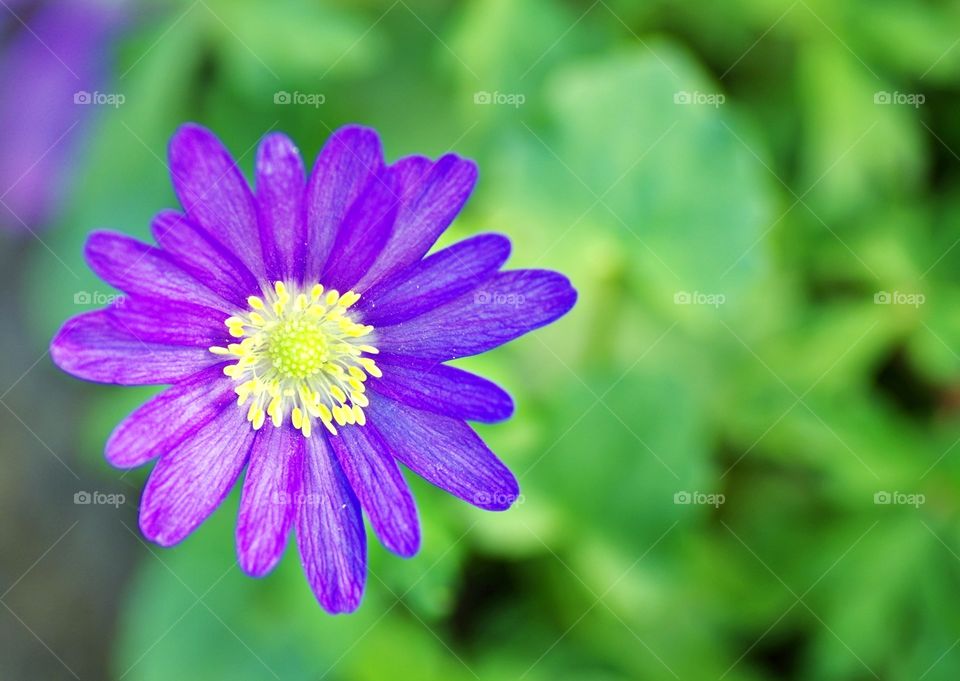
<point x="297" y="347"/>
<point x="301" y="354"/>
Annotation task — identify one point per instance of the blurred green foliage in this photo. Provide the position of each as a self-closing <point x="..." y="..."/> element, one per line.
<point x="781" y="213"/>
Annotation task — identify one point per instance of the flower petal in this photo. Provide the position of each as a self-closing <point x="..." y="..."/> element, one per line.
<point x="188" y="483"/>
<point x="140" y="269"/>
<point x="442" y="389"/>
<point x="91" y="346"/>
<point x="435" y="280"/>
<point x="430" y="200"/>
<point x="445" y="452"/>
<point x="378" y="483"/>
<point x="271" y="492"/>
<point x="281" y="183"/>
<point x="203" y="257"/>
<point x="362" y="235"/>
<point x="504" y="307"/>
<point x="161" y="424"/>
<point x="170" y="323"/>
<point x="330" y="534"/>
<point x="349" y="160"/>
<point x="214" y="193"/>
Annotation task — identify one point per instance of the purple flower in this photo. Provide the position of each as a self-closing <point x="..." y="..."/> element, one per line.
<point x="55" y="53"/>
<point x="311" y="304"/>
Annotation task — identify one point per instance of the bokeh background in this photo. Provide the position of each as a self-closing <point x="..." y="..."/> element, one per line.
<point x="739" y="453"/>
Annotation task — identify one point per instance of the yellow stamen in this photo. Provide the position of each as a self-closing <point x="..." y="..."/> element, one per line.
<point x="302" y="354"/>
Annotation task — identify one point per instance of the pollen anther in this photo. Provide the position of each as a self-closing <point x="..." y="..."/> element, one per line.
<point x="301" y="356"/>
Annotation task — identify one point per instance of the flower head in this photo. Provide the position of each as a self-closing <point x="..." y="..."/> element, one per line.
<point x="305" y="330"/>
<point x="51" y="56"/>
<point x="303" y="355"/>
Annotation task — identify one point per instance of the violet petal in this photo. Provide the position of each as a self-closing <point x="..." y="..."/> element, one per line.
<point x="441" y="389"/>
<point x="445" y="452"/>
<point x="138" y="268"/>
<point x="159" y="425"/>
<point x="349" y="160"/>
<point x="281" y="183"/>
<point x="435" y="280"/>
<point x="429" y="203"/>
<point x="214" y="193"/>
<point x="188" y="484"/>
<point x="330" y="533"/>
<point x="91" y="346"/>
<point x="380" y="487"/>
<point x="271" y="492"/>
<point x="203" y="257"/>
<point x="504" y="307"/>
